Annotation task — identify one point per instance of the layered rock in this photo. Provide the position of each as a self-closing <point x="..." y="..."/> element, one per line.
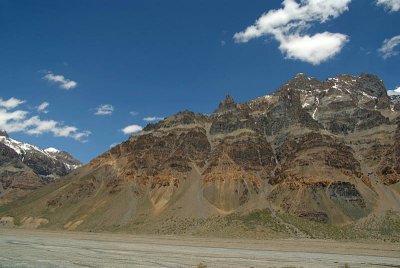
<point x="327" y="151"/>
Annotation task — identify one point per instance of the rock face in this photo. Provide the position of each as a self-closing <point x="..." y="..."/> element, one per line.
<point x="68" y="160"/>
<point x="3" y="133"/>
<point x="325" y="151"/>
<point x="24" y="167"/>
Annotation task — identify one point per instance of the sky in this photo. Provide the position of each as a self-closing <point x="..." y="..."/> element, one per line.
<point x="82" y="76"/>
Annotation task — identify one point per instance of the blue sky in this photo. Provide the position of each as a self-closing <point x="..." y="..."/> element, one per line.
<point x="153" y="58"/>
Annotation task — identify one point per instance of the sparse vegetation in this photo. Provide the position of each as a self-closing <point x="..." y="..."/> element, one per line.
<point x="201" y="265"/>
<point x="262" y="218"/>
<point x="386" y="228"/>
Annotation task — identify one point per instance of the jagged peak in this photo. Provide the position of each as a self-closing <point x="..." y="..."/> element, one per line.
<point x="343" y="77"/>
<point x="370" y="76"/>
<point x="301" y="81"/>
<point x="339" y="77"/>
<point x="303" y="76"/>
<point x="185" y="117"/>
<point x="228" y="100"/>
<point x="357" y="78"/>
<point x="52" y="150"/>
<point x="184" y="113"/>
<point x="227" y="104"/>
<point x="372" y="84"/>
<point x="4" y="133"/>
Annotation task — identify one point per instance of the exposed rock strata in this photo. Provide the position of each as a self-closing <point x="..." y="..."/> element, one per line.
<point x="327" y="151"/>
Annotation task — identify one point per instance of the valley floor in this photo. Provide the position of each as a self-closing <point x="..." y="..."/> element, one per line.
<point x="38" y="248"/>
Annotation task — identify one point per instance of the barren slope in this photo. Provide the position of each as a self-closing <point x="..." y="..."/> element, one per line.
<point x="321" y="151"/>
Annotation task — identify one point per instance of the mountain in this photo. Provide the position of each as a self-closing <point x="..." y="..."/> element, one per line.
<point x="24" y="167"/>
<point x="68" y="160"/>
<point x="315" y="158"/>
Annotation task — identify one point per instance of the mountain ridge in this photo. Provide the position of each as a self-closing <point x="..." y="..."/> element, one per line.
<point x="25" y="167"/>
<point x="315" y="152"/>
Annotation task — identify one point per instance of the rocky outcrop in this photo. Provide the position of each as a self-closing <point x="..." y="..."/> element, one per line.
<point x="180" y="119"/>
<point x="3" y="133"/>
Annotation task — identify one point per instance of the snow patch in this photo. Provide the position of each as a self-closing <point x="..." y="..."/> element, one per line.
<point x="13" y="144"/>
<point x="71" y="167"/>
<point x="22" y="148"/>
<point x="368" y="96"/>
<point x="52" y="150"/>
<point x="316" y="108"/>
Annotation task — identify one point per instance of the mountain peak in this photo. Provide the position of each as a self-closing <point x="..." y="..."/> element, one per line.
<point x="25" y="167"/>
<point x="372" y="84"/>
<point x="52" y="150"/>
<point x="300" y="75"/>
<point x="3" y="133"/>
<point x="229" y="99"/>
<point x="226" y="105"/>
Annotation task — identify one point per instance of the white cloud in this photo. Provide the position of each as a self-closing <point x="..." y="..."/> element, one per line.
<point x="313" y="49"/>
<point x="391" y="5"/>
<point x="42" y="107"/>
<point x="288" y="24"/>
<point x="133" y="113"/>
<point x="152" y="118"/>
<point x="63" y="83"/>
<point x="388" y="47"/>
<point x="132" y="129"/>
<point x="11" y="103"/>
<point x="396" y="91"/>
<point x="104" y="109"/>
<point x="21" y="121"/>
<point x="12" y="121"/>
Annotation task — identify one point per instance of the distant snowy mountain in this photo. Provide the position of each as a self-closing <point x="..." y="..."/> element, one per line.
<point x="24" y="167"/>
<point x="27" y="150"/>
<point x="69" y="161"/>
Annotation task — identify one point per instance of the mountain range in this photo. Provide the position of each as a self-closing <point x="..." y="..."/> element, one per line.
<point x="25" y="167"/>
<point x="314" y="158"/>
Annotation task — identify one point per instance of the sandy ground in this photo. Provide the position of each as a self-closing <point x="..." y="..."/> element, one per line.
<point x="37" y="248"/>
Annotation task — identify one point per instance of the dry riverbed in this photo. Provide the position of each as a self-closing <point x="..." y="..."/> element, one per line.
<point x="38" y="248"/>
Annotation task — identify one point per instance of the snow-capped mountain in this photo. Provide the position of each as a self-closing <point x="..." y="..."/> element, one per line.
<point x="25" y="167"/>
<point x="69" y="161"/>
<point x="26" y="151"/>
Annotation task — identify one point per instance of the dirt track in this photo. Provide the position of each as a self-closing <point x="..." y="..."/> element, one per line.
<point x="24" y="248"/>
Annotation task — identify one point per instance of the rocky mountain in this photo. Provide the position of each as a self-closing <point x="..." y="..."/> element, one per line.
<point x="314" y="153"/>
<point x="24" y="167"/>
<point x="68" y="160"/>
